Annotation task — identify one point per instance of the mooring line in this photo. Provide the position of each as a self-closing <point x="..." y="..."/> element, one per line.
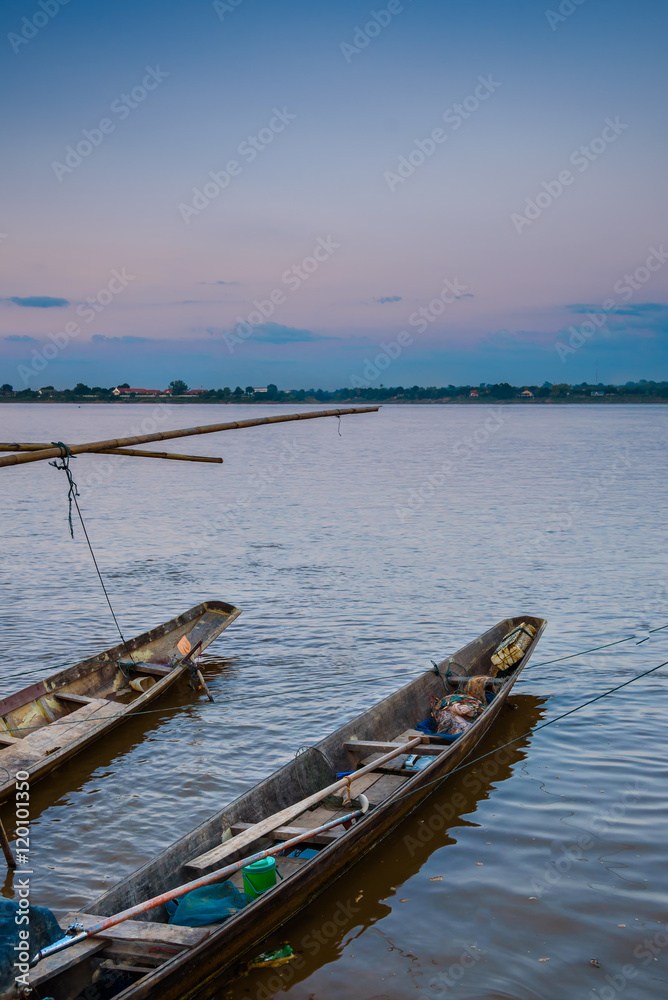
<point x="530" y="732"/>
<point x="72" y="495"/>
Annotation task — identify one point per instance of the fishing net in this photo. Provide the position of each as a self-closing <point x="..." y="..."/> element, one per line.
<point x="42" y="928"/>
<point x="455" y="713"/>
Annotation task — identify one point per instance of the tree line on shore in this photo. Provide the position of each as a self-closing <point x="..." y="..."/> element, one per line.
<point x="482" y="392"/>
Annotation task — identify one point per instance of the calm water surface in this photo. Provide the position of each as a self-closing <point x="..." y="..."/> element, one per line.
<point x="358" y="558"/>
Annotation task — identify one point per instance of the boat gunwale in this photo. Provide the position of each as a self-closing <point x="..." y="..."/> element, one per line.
<point x="51" y="683"/>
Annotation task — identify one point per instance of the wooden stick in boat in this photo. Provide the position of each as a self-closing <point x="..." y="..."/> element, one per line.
<point x="137" y="452"/>
<point x="114" y="443"/>
<point x="181" y="890"/>
<point x="6" y="848"/>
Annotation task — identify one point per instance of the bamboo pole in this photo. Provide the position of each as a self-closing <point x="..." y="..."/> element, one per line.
<point x="137" y="452"/>
<point x="6" y="847"/>
<point x="114" y="443"/>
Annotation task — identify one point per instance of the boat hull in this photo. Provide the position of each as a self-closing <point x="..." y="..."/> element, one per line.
<point x="47" y="723"/>
<point x="187" y="975"/>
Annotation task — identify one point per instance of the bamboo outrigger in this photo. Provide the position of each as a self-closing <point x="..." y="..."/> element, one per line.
<point x="27" y="453"/>
<point x="373" y="750"/>
<point x="46" y="723"/>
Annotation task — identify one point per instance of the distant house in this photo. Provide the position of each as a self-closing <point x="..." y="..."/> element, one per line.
<point x="261" y="389"/>
<point x="598" y="392"/>
<point x="473" y="394"/>
<point x="195" y="392"/>
<point x="526" y="394"/>
<point x="138" y="392"/>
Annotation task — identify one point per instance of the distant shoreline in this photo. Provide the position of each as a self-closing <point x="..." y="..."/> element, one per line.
<point x="353" y="401"/>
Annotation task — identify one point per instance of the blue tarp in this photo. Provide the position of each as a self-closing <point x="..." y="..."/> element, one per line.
<point x="212" y="904"/>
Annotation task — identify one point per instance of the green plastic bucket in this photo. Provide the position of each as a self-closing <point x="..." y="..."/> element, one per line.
<point x="259" y="876"/>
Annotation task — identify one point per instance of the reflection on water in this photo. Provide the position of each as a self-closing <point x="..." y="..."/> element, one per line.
<point x="357" y="560"/>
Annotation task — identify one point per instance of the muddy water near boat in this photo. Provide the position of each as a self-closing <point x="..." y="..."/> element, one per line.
<point x="358" y="559"/>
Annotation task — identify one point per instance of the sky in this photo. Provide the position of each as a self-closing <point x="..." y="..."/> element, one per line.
<point x="333" y="194"/>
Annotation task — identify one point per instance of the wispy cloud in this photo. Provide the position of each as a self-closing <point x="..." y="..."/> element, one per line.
<point x="219" y="282"/>
<point x="37" y="301"/>
<point x="275" y="333"/>
<point x="21" y="336"/>
<point x="99" y="338"/>
<point x="388" y="298"/>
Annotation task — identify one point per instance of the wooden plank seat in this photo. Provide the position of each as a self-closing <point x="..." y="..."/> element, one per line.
<point x="142" y="930"/>
<point x="63" y="960"/>
<point x="131" y="932"/>
<point x="288" y="832"/>
<point x="372" y="746"/>
<point x="151" y="668"/>
<point x="52" y="737"/>
<point x="65" y="731"/>
<point x="79" y="699"/>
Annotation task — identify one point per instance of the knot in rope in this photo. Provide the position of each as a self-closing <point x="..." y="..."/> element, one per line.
<point x="63" y="463"/>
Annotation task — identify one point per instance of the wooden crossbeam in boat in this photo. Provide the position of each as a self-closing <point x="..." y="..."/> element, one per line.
<point x="151" y="668"/>
<point x="79" y="699"/>
<point x="371" y="746"/>
<point x="8" y="740"/>
<point x="283" y="816"/>
<point x="64" y="960"/>
<point x="147" y="931"/>
<point x="288" y="832"/>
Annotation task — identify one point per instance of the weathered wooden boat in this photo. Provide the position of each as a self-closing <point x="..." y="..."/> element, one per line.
<point x="152" y="958"/>
<point x="46" y="723"/>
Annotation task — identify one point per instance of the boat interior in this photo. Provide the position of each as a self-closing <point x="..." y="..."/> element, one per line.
<point x="134" y="948"/>
<point x="100" y="687"/>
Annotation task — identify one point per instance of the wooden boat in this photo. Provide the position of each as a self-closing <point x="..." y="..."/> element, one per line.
<point x="46" y="723"/>
<point x="153" y="958"/>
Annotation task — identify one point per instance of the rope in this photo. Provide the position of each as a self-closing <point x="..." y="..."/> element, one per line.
<point x="530" y="732"/>
<point x="595" y="649"/>
<point x="357" y="681"/>
<point x="72" y="495"/>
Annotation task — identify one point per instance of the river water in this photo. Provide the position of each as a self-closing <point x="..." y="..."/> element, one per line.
<point x="358" y="554"/>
